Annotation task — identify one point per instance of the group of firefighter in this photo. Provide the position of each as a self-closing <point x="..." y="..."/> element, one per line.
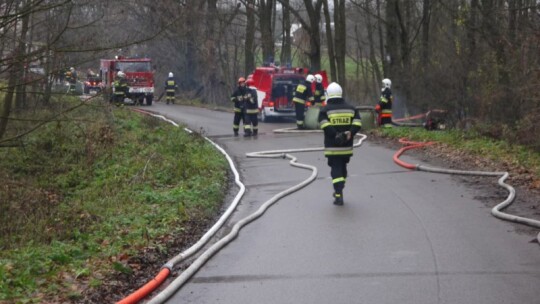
<point x="304" y="94"/>
<point x="246" y="108"/>
<point x="121" y="88"/>
<point x="246" y="104"/>
<point x="339" y="120"/>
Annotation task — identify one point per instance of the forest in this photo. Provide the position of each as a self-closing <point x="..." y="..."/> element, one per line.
<point x="476" y="59"/>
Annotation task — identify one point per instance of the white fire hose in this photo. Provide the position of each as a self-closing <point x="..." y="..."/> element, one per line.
<point x="206" y="255"/>
<point x="178" y="282"/>
<point x="495" y="211"/>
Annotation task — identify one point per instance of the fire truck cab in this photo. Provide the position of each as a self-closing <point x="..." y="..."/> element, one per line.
<point x="139" y="75"/>
<point x="275" y="89"/>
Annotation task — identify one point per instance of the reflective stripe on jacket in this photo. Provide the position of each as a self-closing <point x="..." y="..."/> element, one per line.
<point x="303" y="93"/>
<point x="170" y="85"/>
<point x="252" y="103"/>
<point x="385" y="102"/>
<point x="120" y="87"/>
<point x="319" y="96"/>
<point x="239" y="97"/>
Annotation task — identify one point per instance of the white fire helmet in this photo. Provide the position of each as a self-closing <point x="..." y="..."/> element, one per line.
<point x="386" y="83"/>
<point x="333" y="90"/>
<point x="171" y="75"/>
<point x="318" y="77"/>
<point x="310" y="78"/>
<point x="121" y="74"/>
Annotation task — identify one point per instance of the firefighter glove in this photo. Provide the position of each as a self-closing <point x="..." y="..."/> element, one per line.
<point x="341" y="138"/>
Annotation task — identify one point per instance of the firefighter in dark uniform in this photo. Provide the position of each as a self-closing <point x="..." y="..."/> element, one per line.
<point x="252" y="108"/>
<point x="302" y="94"/>
<point x="170" y="88"/>
<point x="319" y="96"/>
<point x="120" y="88"/>
<point x="239" y="97"/>
<point x="340" y="121"/>
<point x="71" y="78"/>
<point x="384" y="106"/>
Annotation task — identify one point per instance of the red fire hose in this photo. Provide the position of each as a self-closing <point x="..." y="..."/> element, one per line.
<point x="495" y="211"/>
<point x="144" y="291"/>
<point x="408" y="146"/>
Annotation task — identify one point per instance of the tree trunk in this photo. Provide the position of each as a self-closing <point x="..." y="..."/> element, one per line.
<point x="22" y="61"/>
<point x="287" y="41"/>
<point x="189" y="81"/>
<point x="372" y="58"/>
<point x="265" y="24"/>
<point x="330" y="41"/>
<point x="312" y="29"/>
<point x="8" y="102"/>
<point x="384" y="55"/>
<point x="212" y="78"/>
<point x="15" y="69"/>
<point x="314" y="16"/>
<point x="426" y="14"/>
<point x="249" y="51"/>
<point x="341" y="40"/>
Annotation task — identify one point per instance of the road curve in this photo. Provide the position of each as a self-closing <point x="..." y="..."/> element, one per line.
<point x="401" y="237"/>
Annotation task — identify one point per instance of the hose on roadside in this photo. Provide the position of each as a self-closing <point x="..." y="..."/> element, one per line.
<point x="205" y="256"/>
<point x="495" y="211"/>
<point x="166" y="269"/>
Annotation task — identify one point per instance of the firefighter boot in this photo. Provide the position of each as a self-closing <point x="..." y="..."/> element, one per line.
<point x="255" y="132"/>
<point x="338" y="199"/>
<point x="247" y="133"/>
<point x="235" y="132"/>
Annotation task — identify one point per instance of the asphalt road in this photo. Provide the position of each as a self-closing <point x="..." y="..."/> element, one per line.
<point x="401" y="237"/>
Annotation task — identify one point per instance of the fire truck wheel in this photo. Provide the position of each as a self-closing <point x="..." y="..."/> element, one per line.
<point x="149" y="100"/>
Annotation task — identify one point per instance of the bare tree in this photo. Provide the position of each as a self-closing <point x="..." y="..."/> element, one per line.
<point x="330" y="40"/>
<point x="286" y="34"/>
<point x="311" y="27"/>
<point x="340" y="40"/>
<point x="266" y="13"/>
<point x="250" y="37"/>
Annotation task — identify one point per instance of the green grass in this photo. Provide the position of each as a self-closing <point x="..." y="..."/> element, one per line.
<point x="99" y="185"/>
<point x="472" y="142"/>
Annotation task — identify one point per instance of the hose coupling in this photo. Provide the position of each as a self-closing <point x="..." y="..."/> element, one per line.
<point x="169" y="266"/>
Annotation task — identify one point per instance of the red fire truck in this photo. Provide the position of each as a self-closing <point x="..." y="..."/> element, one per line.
<point x="139" y="75"/>
<point x="275" y="89"/>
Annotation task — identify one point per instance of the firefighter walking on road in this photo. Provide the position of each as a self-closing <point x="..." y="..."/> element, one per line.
<point x="170" y="88"/>
<point x="384" y="106"/>
<point x="239" y="97"/>
<point x="252" y="108"/>
<point x="319" y="97"/>
<point x="302" y="94"/>
<point x="120" y="86"/>
<point x="340" y="122"/>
